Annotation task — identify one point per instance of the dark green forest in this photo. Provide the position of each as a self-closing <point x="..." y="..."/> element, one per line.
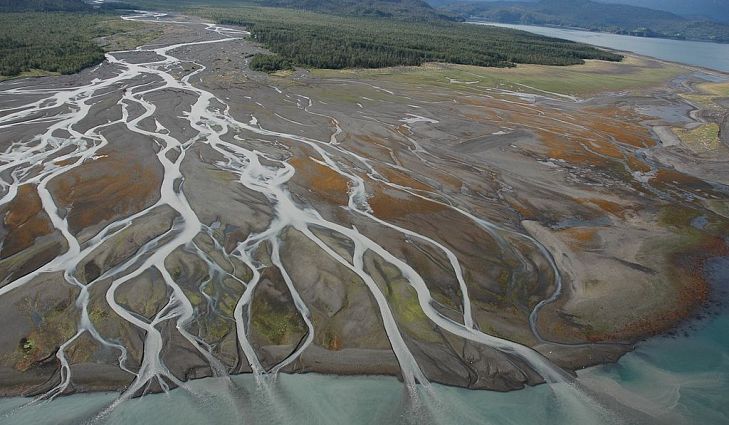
<point x="408" y="10"/>
<point x="64" y="45"/>
<point x="615" y="18"/>
<point x="322" y="41"/>
<point x="296" y="37"/>
<point x="269" y="63"/>
<point x="62" y="42"/>
<point x="411" y="10"/>
<point x="43" y="5"/>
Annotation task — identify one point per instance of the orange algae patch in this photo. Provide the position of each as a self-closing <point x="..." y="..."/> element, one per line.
<point x="104" y="189"/>
<point x="563" y="147"/>
<point x="609" y="207"/>
<point x="334" y="343"/>
<point x="66" y="162"/>
<point x="604" y="148"/>
<point x="376" y="147"/>
<point x="486" y="116"/>
<point x="386" y="206"/>
<point x="581" y="237"/>
<point x="446" y="179"/>
<point x="526" y="210"/>
<point x="322" y="180"/>
<point x="402" y="129"/>
<point x="399" y="178"/>
<point x="24" y="220"/>
<point x="606" y="133"/>
<point x="619" y="124"/>
<point x="637" y="165"/>
<point x="473" y="101"/>
<point x="692" y="292"/>
<point x="666" y="176"/>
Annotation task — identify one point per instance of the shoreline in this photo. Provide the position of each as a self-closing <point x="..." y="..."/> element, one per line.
<point x="524" y="27"/>
<point x="477" y="20"/>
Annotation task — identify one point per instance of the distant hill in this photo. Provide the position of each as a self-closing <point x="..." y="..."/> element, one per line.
<point x="410" y="9"/>
<point x="587" y="14"/>
<point x="715" y="10"/>
<point x="42" y="5"/>
<point x="712" y="10"/>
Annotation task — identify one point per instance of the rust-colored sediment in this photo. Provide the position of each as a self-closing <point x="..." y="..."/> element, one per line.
<point x="581" y="238"/>
<point x="692" y="291"/>
<point x="401" y="179"/>
<point x="669" y="176"/>
<point x="326" y="183"/>
<point x="623" y="125"/>
<point x="599" y="137"/>
<point x="386" y="206"/>
<point x="105" y="189"/>
<point x="609" y="207"/>
<point x="24" y="221"/>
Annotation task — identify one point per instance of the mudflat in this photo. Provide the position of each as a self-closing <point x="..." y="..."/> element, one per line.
<point x="171" y="215"/>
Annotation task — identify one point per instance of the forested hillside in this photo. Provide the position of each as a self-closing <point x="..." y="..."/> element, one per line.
<point x="43" y="5"/>
<point x="406" y="35"/>
<point x="403" y="9"/>
<point x="716" y="10"/>
<point x="321" y="41"/>
<point x="64" y="45"/>
<point x="617" y="18"/>
<point x="63" y="42"/>
<point x="711" y="10"/>
<point x="408" y="10"/>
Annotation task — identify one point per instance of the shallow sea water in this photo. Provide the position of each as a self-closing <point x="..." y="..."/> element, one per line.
<point x="677" y="379"/>
<point x="698" y="53"/>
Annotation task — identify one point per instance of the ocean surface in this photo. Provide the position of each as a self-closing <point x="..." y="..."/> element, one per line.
<point x="708" y="55"/>
<point x="673" y="379"/>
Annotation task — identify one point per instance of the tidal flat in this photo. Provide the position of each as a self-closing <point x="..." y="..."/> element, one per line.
<point x="171" y="215"/>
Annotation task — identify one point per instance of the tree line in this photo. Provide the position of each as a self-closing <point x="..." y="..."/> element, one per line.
<point x="43" y="5"/>
<point x="55" y="42"/>
<point x="325" y="41"/>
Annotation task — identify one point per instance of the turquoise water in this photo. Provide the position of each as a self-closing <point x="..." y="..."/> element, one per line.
<point x="302" y="399"/>
<point x="708" y="55"/>
<point x="686" y="375"/>
<point x="681" y="379"/>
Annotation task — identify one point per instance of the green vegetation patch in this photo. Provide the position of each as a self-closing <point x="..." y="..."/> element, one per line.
<point x="708" y="96"/>
<point x="593" y="77"/>
<point x="416" y="10"/>
<point x="269" y="63"/>
<point x="278" y="323"/>
<point x="34" y="43"/>
<point x="43" y="5"/>
<point x="700" y="139"/>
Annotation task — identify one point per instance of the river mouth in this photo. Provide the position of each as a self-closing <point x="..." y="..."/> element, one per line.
<point x="195" y="226"/>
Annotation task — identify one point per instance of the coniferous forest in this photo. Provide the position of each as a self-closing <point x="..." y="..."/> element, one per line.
<point x="43" y="6"/>
<point x="326" y="41"/>
<point x="296" y="37"/>
<point x="65" y="45"/>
